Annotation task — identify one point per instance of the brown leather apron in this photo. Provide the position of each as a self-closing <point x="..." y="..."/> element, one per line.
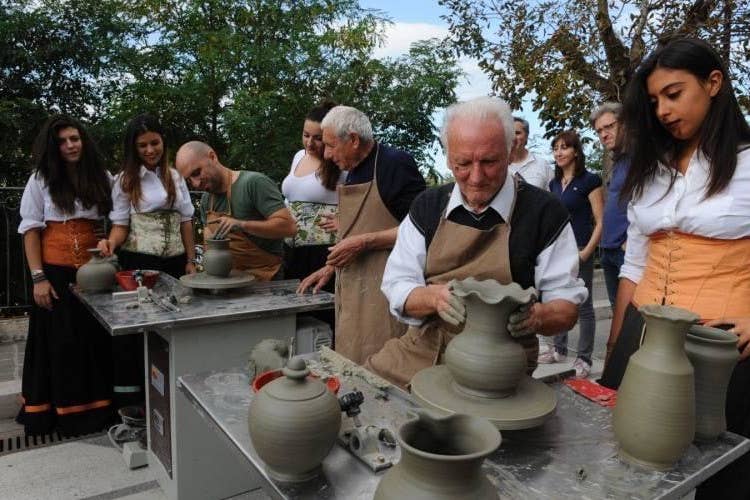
<point x="481" y="254"/>
<point x="363" y="322"/>
<point x="246" y="255"/>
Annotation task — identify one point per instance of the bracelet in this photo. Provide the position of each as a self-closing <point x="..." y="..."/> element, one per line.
<point x="38" y="277"/>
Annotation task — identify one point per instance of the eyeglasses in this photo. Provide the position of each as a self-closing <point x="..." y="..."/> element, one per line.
<point x="606" y="128"/>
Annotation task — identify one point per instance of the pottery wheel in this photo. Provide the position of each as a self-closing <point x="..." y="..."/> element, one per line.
<point x="529" y="407"/>
<point x="205" y="281"/>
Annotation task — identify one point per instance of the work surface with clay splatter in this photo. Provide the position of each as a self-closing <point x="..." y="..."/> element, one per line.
<point x="120" y="317"/>
<point x="573" y="455"/>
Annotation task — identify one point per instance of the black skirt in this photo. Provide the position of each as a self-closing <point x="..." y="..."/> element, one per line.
<point x="128" y="365"/>
<point x="67" y="381"/>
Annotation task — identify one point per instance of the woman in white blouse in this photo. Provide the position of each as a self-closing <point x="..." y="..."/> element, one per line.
<point x="152" y="217"/>
<point x="310" y="193"/>
<point x="66" y="374"/>
<point x="689" y="235"/>
<point x="152" y="214"/>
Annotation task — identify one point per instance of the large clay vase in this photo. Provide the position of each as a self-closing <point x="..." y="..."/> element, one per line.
<point x="98" y="274"/>
<point x="217" y="261"/>
<point x="483" y="359"/>
<point x="714" y="354"/>
<point x="293" y="423"/>
<point x="441" y="459"/>
<point x="654" y="420"/>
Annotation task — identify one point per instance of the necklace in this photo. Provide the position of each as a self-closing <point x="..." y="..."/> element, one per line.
<point x="565" y="181"/>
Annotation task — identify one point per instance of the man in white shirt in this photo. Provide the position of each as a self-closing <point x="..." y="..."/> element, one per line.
<point x="461" y="230"/>
<point x="523" y="162"/>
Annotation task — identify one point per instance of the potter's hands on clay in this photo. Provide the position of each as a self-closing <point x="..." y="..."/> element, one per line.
<point x="448" y="306"/>
<point x="346" y="250"/>
<point x="741" y="328"/>
<point x="190" y="268"/>
<point x="329" y="223"/>
<point x="105" y="247"/>
<point x="317" y="280"/>
<point x="224" y="226"/>
<point x="43" y="294"/>
<point x="525" y="320"/>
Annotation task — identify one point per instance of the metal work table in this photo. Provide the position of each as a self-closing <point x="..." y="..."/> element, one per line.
<point x="211" y="332"/>
<point x="574" y="455"/>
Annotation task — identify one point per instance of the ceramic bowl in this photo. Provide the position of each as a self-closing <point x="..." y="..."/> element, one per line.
<point x="127" y="283"/>
<point x="332" y="383"/>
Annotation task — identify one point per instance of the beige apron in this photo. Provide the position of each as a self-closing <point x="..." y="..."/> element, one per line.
<point x="246" y="255"/>
<point x="481" y="254"/>
<point x="155" y="233"/>
<point x="363" y="321"/>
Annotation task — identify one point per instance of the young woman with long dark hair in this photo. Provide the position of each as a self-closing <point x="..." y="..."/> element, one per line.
<point x="689" y="235"/>
<point x="67" y="384"/>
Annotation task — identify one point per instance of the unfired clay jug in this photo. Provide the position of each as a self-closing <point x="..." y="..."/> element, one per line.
<point x="293" y="423"/>
<point x="217" y="261"/>
<point x="713" y="353"/>
<point x="98" y="274"/>
<point x="654" y="420"/>
<point x="483" y="359"/>
<point x="441" y="459"/>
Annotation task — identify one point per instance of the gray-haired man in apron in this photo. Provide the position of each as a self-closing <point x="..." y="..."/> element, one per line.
<point x="380" y="186"/>
<point x="489" y="225"/>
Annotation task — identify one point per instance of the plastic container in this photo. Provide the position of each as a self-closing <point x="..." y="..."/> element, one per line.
<point x="332" y="382"/>
<point x="127" y="282"/>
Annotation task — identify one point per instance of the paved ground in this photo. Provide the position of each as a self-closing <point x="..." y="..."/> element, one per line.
<point x="91" y="469"/>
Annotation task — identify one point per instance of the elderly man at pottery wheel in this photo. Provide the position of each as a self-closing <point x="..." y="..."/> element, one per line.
<point x="244" y="206"/>
<point x="488" y="225"/>
<point x="380" y="185"/>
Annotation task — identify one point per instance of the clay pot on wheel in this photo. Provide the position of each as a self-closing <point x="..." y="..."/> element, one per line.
<point x="98" y="274"/>
<point x="483" y="359"/>
<point x="217" y="261"/>
<point x="441" y="459"/>
<point x="654" y="420"/>
<point x="713" y="353"/>
<point x="293" y="423"/>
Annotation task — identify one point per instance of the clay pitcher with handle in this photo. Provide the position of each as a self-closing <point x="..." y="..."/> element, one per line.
<point x="713" y="353"/>
<point x="98" y="274"/>
<point x="654" y="420"/>
<point x="441" y="459"/>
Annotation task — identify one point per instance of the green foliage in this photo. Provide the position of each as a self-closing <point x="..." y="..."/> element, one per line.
<point x="566" y="57"/>
<point x="239" y="74"/>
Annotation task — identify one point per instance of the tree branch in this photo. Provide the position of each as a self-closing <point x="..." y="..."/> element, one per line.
<point x="696" y="17"/>
<point x="617" y="54"/>
<point x="570" y="49"/>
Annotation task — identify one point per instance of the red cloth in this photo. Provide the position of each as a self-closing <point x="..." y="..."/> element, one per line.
<point x="593" y="391"/>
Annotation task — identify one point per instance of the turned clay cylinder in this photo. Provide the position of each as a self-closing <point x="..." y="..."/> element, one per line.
<point x="654" y="419"/>
<point x="441" y="459"/>
<point x="483" y="359"/>
<point x="714" y="354"/>
<point x="293" y="423"/>
<point x="217" y="261"/>
<point x="98" y="274"/>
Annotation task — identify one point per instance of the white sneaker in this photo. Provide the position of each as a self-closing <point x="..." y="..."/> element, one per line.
<point x="582" y="368"/>
<point x="551" y="356"/>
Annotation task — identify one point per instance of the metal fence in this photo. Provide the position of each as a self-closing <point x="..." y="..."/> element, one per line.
<point x="15" y="295"/>
<point x="16" y="292"/>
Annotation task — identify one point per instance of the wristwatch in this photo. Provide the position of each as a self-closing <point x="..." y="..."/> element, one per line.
<point x="36" y="272"/>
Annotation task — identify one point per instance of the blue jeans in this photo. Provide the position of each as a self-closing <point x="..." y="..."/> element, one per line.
<point x="611" y="260"/>
<point x="586" y="320"/>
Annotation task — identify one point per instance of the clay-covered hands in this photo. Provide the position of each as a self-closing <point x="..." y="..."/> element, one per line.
<point x="105" y="247"/>
<point x="741" y="328"/>
<point x="449" y="307"/>
<point x="346" y="250"/>
<point x="43" y="295"/>
<point x="190" y="268"/>
<point x="317" y="280"/>
<point x="525" y="320"/>
<point x="224" y="226"/>
<point x="329" y="223"/>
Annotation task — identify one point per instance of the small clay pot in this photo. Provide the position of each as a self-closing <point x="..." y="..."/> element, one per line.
<point x="217" y="261"/>
<point x="713" y="353"/>
<point x="441" y="459"/>
<point x="293" y="423"/>
<point x="98" y="274"/>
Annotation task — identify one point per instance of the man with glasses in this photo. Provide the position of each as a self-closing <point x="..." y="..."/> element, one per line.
<point x="604" y="120"/>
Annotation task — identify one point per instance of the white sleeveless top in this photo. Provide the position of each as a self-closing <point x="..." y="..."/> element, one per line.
<point x="307" y="188"/>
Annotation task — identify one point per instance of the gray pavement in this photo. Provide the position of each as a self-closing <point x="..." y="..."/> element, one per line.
<point x="92" y="469"/>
